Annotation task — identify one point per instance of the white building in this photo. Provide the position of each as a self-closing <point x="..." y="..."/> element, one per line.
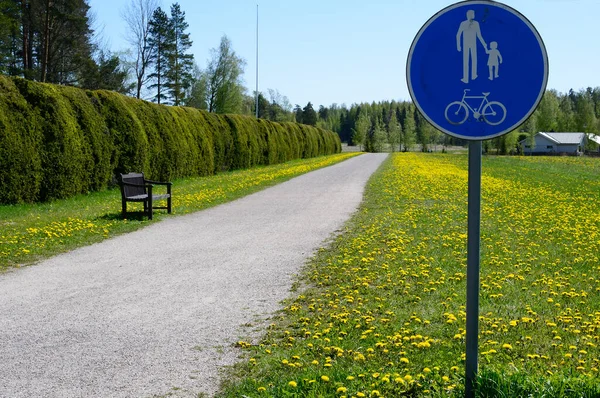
<point x="555" y="143"/>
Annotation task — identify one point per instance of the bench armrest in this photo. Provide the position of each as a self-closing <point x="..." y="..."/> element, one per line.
<point x="158" y="182"/>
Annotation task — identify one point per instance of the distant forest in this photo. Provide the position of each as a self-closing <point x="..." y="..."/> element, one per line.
<point x="399" y="124"/>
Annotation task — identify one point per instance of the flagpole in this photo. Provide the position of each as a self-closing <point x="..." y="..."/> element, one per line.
<point x="256" y="93"/>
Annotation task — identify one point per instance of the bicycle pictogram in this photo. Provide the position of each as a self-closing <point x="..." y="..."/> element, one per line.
<point x="491" y="112"/>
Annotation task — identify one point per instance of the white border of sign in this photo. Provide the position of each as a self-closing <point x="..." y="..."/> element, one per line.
<point x="495" y="4"/>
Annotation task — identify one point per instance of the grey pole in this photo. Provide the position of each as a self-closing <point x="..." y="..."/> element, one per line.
<point x="473" y="256"/>
<point x="256" y="94"/>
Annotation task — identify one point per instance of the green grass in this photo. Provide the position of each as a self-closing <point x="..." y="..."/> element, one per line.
<point x="492" y="384"/>
<point x="32" y="232"/>
<point x="382" y="310"/>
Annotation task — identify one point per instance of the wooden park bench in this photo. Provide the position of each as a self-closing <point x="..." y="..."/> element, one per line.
<point x="135" y="188"/>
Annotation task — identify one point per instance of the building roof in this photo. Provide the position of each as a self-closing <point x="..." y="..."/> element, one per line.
<point x="565" y="138"/>
<point x="594" y="138"/>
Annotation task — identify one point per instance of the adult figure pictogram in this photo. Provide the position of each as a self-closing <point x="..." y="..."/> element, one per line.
<point x="469" y="32"/>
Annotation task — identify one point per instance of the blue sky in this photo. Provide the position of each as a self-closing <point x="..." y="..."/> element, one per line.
<point x="351" y="51"/>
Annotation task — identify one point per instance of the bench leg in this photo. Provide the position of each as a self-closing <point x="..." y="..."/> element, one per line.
<point x="124" y="208"/>
<point x="169" y="199"/>
<point x="149" y="203"/>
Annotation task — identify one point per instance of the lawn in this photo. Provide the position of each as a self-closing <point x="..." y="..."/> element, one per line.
<point x="381" y="311"/>
<point x="32" y="232"/>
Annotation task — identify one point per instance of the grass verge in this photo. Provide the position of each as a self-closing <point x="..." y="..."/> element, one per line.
<point x="383" y="310"/>
<point x="29" y="233"/>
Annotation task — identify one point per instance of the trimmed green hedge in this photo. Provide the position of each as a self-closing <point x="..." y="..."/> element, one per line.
<point x="58" y="141"/>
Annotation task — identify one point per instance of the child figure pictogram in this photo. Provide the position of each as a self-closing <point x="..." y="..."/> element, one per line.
<point x="494" y="60"/>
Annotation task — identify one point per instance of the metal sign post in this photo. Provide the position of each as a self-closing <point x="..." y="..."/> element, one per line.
<point x="473" y="256"/>
<point x="476" y="70"/>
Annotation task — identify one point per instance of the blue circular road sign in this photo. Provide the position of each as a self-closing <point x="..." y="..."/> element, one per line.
<point x="477" y="69"/>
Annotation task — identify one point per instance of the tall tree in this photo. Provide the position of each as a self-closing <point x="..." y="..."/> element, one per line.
<point x="298" y="113"/>
<point x="379" y="137"/>
<point x="280" y="109"/>
<point x="105" y="73"/>
<point x="27" y="39"/>
<point x="566" y="118"/>
<point x="61" y="37"/>
<point x="137" y="16"/>
<point x="531" y="128"/>
<point x="198" y="90"/>
<point x="161" y="41"/>
<point x="48" y="6"/>
<point x="409" y="133"/>
<point x="361" y="129"/>
<point x="181" y="63"/>
<point x="584" y="108"/>
<point x="425" y="134"/>
<point x="309" y="115"/>
<point x="10" y="38"/>
<point x="548" y="112"/>
<point x="323" y="112"/>
<point x="394" y="133"/>
<point x="263" y="107"/>
<point x="225" y="85"/>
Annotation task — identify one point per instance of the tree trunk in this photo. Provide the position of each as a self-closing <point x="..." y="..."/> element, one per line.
<point x="140" y="78"/>
<point x="46" y="49"/>
<point x="158" y="73"/>
<point x="26" y="22"/>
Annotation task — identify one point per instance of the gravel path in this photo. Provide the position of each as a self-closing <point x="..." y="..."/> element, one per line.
<point x="157" y="311"/>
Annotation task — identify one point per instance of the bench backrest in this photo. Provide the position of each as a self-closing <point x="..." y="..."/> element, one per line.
<point x="132" y="178"/>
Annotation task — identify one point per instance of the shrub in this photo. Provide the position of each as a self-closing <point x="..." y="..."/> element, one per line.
<point x="58" y="141"/>
<point x="66" y="159"/>
<point x="20" y="147"/>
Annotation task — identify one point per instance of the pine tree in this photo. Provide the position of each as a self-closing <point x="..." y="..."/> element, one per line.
<point x="298" y="113"/>
<point x="60" y="40"/>
<point x="161" y="42"/>
<point x="309" y="115"/>
<point x="178" y="76"/>
<point x="10" y="38"/>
